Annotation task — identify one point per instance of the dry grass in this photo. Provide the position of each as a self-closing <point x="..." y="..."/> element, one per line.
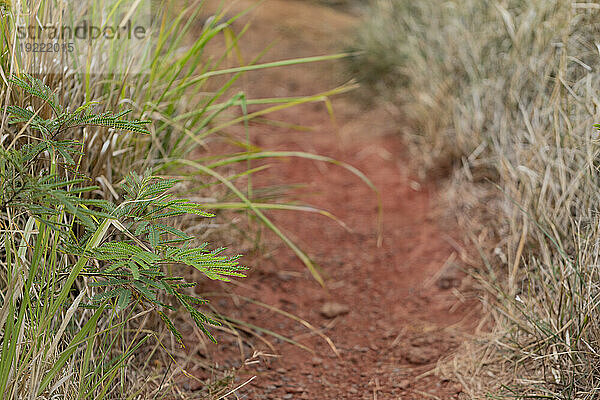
<point x="506" y="92"/>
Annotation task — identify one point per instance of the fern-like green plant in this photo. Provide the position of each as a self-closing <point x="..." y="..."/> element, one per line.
<point x="63" y="119"/>
<point x="131" y="265"/>
<point x="116" y="252"/>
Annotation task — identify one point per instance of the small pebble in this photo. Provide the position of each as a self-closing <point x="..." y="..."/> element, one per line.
<point x="403" y="384"/>
<point x="420" y="355"/>
<point x="331" y="310"/>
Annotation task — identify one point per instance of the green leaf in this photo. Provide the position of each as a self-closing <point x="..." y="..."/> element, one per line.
<point x="154" y="237"/>
<point x="144" y="291"/>
<point x="170" y="326"/>
<point x="135" y="271"/>
<point x="124" y="299"/>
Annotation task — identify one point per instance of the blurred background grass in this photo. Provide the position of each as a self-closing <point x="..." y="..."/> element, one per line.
<point x="502" y="96"/>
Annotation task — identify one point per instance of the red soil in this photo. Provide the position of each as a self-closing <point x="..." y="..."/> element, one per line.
<point x="401" y="306"/>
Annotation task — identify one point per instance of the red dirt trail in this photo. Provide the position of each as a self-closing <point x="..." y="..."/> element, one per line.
<point x="393" y="311"/>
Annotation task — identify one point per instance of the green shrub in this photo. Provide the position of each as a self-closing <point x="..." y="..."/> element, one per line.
<point x="60" y="240"/>
<point x="507" y="92"/>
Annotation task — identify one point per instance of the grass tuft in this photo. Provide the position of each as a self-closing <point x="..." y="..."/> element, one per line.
<point x="506" y="93"/>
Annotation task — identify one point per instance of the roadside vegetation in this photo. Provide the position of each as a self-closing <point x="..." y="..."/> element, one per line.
<point x="504" y="94"/>
<point x="93" y="168"/>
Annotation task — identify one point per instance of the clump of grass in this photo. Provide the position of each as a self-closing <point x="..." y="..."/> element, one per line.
<point x="111" y="254"/>
<point x="79" y="353"/>
<point x="507" y="93"/>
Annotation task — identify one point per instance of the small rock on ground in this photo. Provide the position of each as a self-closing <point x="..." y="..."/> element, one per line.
<point x="332" y="310"/>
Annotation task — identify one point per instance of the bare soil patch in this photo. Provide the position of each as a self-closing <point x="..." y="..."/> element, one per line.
<point x="392" y="312"/>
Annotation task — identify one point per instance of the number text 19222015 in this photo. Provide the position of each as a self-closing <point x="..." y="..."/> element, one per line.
<point x="37" y="47"/>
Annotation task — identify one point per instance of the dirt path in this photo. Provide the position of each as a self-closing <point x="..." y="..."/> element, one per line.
<point x="401" y="306"/>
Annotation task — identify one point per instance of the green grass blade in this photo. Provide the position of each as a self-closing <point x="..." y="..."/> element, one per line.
<point x="305" y="259"/>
